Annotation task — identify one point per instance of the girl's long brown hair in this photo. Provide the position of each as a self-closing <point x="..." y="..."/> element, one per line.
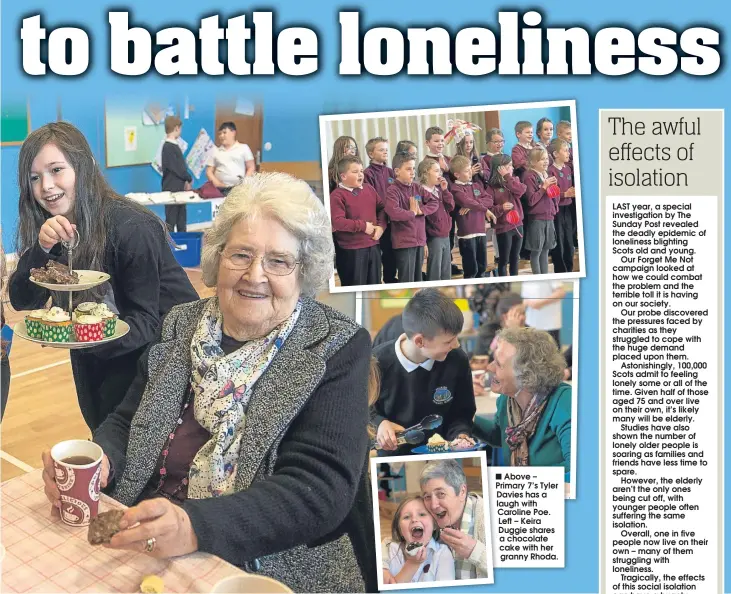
<point x="339" y="153"/>
<point x="94" y="196"/>
<point x="374" y="389"/>
<point x="474" y="155"/>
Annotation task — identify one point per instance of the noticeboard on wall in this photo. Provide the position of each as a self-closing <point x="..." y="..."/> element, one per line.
<point x="15" y="124"/>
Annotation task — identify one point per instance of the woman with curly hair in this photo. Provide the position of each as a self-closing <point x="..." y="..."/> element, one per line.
<point x="533" y="419"/>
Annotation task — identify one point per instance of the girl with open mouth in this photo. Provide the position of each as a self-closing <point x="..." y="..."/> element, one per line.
<point x="412" y="554"/>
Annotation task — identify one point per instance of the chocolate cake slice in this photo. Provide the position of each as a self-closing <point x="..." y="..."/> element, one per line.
<point x="104" y="526"/>
<point x="55" y="273"/>
<point x="413" y="547"/>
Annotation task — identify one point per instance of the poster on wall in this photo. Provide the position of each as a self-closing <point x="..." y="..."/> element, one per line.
<point x="130" y="138"/>
<point x="200" y="152"/>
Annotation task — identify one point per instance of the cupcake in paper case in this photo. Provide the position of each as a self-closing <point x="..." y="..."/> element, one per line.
<point x="83" y="309"/>
<point x="34" y="323"/>
<point x="109" y="319"/>
<point x="56" y="325"/>
<point x="88" y="328"/>
<point x="437" y="443"/>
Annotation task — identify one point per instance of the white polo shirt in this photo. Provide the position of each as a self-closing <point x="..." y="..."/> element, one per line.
<point x="549" y="316"/>
<point x="230" y="164"/>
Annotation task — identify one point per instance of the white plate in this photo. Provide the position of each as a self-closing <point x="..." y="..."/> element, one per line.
<point x="121" y="329"/>
<point x="88" y="279"/>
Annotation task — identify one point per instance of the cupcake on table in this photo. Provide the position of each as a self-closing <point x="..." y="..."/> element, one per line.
<point x="56" y="325"/>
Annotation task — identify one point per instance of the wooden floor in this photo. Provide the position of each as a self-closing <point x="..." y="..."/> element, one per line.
<point x="523" y="265"/>
<point x="42" y="407"/>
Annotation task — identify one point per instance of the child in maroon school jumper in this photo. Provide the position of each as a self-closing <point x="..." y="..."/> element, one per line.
<point x="563" y="254"/>
<point x="506" y="191"/>
<point x="495" y="142"/>
<point x="379" y="175"/>
<point x="358" y="220"/>
<point x="435" y="151"/>
<point x="563" y="131"/>
<point x="540" y="234"/>
<point x="439" y="223"/>
<point x="524" y="134"/>
<point x="472" y="207"/>
<point x="407" y="204"/>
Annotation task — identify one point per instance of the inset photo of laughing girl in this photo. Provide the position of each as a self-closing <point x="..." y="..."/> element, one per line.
<point x="432" y="521"/>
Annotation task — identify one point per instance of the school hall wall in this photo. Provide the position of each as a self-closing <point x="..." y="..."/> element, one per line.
<point x="294" y="149"/>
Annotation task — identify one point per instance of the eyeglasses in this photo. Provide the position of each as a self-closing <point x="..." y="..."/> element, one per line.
<point x="278" y="265"/>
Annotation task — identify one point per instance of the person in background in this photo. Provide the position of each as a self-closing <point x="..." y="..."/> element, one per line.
<point x="472" y="211"/>
<point x="544" y="131"/>
<point x="506" y="191"/>
<point x="358" y="220"/>
<point x="562" y="255"/>
<point x="435" y="143"/>
<point x="519" y="154"/>
<point x="175" y="175"/>
<point x="543" y="302"/>
<point x="344" y="146"/>
<point x="563" y="131"/>
<point x="62" y="193"/>
<point x="231" y="162"/>
<point x="439" y="223"/>
<point x="540" y="210"/>
<point x="407" y="205"/>
<point x="467" y="147"/>
<point x="424" y="372"/>
<point x="4" y="358"/>
<point x="406" y="146"/>
<point x="508" y="312"/>
<point x="495" y="140"/>
<point x="379" y="175"/>
<point x="532" y="423"/>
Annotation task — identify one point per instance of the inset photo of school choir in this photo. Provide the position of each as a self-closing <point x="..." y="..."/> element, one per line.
<point x="453" y="195"/>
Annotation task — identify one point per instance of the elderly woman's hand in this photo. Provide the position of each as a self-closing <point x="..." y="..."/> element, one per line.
<point x="49" y="478"/>
<point x="158" y="519"/>
<point x="461" y="543"/>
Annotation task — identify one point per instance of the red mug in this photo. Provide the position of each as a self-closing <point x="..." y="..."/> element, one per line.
<point x="78" y="466"/>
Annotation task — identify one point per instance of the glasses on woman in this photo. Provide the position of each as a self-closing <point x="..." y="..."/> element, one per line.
<point x="276" y="264"/>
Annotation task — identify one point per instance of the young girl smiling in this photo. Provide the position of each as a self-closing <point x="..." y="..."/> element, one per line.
<point x="62" y="193"/>
<point x="413" y="554"/>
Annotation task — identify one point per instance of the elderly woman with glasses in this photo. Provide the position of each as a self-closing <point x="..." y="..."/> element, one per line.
<point x="245" y="432"/>
<point x="532" y="423"/>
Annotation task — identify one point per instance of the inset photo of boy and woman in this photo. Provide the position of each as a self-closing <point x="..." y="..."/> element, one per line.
<point x="455" y="194"/>
<point x="477" y="367"/>
<point x="432" y="520"/>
